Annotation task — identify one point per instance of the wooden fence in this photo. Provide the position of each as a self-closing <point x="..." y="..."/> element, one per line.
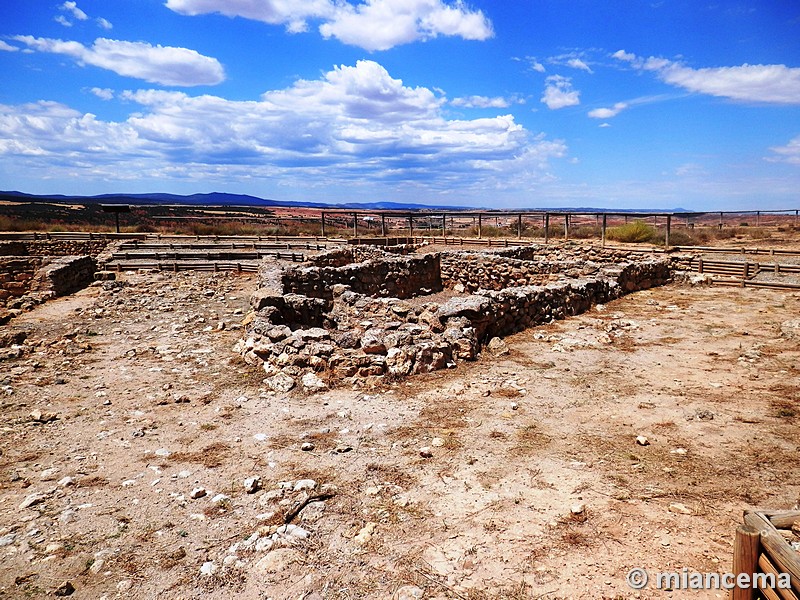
<point x="760" y="547"/>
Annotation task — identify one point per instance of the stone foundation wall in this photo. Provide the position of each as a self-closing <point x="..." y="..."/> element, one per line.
<point x="569" y="252"/>
<point x="474" y="271"/>
<point x="65" y="275"/>
<point x="13" y="249"/>
<point x="26" y="281"/>
<point x="399" y="277"/>
<point x="354" y="337"/>
<point x="16" y="275"/>
<point x="65" y="247"/>
<point x="500" y="313"/>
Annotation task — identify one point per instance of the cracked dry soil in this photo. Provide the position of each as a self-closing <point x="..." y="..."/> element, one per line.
<point x="129" y="428"/>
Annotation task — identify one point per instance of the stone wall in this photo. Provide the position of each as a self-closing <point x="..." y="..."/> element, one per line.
<point x="16" y="274"/>
<point x="65" y="247"/>
<point x="391" y="276"/>
<point x="356" y="337"/>
<point x="570" y="251"/>
<point x="501" y="313"/>
<point x="26" y="281"/>
<point x="13" y="249"/>
<point x="65" y="274"/>
<point x="473" y="271"/>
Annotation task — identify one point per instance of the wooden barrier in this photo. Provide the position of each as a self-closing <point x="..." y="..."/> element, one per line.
<point x="184" y="266"/>
<point x="760" y="547"/>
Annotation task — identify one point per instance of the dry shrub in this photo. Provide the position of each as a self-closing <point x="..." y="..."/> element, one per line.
<point x="636" y="232"/>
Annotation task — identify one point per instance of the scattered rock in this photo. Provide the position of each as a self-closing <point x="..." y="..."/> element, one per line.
<point x="49" y="474"/>
<point x="208" y="568"/>
<point x="408" y="592"/>
<point x="42" y="417"/>
<point x="425" y="452"/>
<point x="642" y="440"/>
<point x="32" y="500"/>
<point x="312" y="383"/>
<point x="577" y="509"/>
<point x="277" y="560"/>
<point x="681" y="509"/>
<point x="365" y="535"/>
<point x="65" y="589"/>
<point x="280" y="382"/>
<point x="307" y="447"/>
<point x="304" y="484"/>
<point x="252" y="484"/>
<point x="498" y="347"/>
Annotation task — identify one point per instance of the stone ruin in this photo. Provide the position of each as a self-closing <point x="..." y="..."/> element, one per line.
<point x="363" y="315"/>
<point x="32" y="273"/>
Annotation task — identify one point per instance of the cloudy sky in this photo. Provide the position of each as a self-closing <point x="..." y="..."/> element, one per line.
<point x="505" y="103"/>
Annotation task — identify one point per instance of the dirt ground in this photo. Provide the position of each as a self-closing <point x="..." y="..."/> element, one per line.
<point x="515" y="476"/>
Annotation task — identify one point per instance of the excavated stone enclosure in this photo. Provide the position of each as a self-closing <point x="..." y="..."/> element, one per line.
<point x="360" y="314"/>
<point x="29" y="277"/>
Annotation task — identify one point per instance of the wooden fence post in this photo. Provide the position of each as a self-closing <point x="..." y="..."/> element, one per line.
<point x="669" y="227"/>
<point x="746" y="549"/>
<point x="546" y="227"/>
<point x="603" y="235"/>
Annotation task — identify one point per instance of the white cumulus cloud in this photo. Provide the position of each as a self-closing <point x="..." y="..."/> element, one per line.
<point x="6" y="47"/>
<point x="484" y="102"/>
<point x="790" y="153"/>
<point x="292" y="13"/>
<point x="104" y="23"/>
<point x="772" y="84"/>
<point x="383" y="24"/>
<point x="72" y="8"/>
<point x="372" y="24"/>
<point x="355" y="125"/>
<point x="165" y="65"/>
<point x="103" y="93"/>
<point x="608" y="113"/>
<point x="558" y="93"/>
<point x="577" y="63"/>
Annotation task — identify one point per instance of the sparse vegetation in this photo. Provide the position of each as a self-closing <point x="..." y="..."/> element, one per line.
<point x="636" y="232"/>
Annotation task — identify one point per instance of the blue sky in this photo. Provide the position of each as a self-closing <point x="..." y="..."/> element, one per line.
<point x="503" y="104"/>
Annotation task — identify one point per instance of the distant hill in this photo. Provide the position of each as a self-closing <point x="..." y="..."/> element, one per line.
<point x="215" y="199"/>
<point x="224" y="199"/>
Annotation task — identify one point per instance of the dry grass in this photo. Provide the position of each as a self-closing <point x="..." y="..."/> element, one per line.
<point x="529" y="439"/>
<point x="211" y="457"/>
<point x="390" y="474"/>
<point x="92" y="481"/>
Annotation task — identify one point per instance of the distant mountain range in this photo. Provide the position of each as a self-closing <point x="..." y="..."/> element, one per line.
<point x="215" y="199"/>
<point x="224" y="199"/>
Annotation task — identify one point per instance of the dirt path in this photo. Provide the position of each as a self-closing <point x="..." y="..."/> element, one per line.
<point x="532" y="483"/>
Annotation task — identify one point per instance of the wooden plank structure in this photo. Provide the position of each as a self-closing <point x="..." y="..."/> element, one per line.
<point x="761" y="547"/>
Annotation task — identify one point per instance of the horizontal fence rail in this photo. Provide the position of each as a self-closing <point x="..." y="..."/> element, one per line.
<point x="207" y="256"/>
<point x="184" y="266"/>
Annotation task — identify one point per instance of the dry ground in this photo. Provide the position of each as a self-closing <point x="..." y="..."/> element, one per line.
<point x="150" y="403"/>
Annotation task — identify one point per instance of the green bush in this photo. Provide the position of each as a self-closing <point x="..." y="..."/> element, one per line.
<point x="636" y="232"/>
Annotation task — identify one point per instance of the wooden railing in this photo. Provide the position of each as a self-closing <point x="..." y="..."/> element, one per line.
<point x="761" y="548"/>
